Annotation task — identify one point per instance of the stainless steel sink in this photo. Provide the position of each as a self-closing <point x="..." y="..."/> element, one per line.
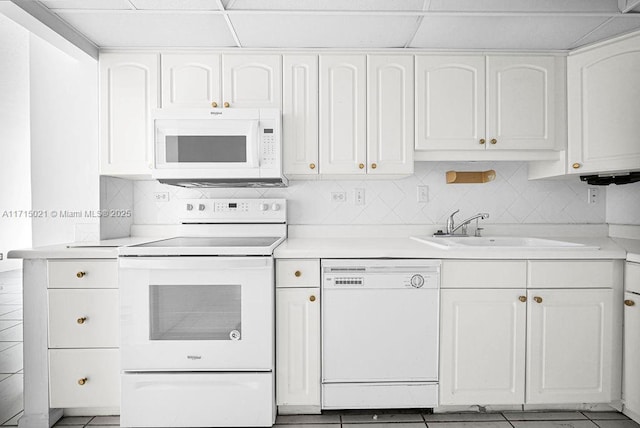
<point x="502" y="242"/>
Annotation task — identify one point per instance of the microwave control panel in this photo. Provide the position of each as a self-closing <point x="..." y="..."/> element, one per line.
<point x="269" y="150"/>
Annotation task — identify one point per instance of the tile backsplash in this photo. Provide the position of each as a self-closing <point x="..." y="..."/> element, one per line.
<point x="510" y="198"/>
<point x="623" y="204"/>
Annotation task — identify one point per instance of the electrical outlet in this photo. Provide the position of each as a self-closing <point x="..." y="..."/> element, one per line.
<point x="359" y="196"/>
<point x="339" y="196"/>
<point x="161" y="196"/>
<point x="1" y="256"/>
<point x="423" y="193"/>
<point x="593" y="195"/>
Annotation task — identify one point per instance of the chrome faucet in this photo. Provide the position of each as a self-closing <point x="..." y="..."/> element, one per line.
<point x="452" y="228"/>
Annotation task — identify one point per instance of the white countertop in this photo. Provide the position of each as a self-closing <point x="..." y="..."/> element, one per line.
<point x="307" y="247"/>
<point x="107" y="249"/>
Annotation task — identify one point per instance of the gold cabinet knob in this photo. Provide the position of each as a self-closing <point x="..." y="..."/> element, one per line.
<point x="493" y="141"/>
<point x="81" y="274"/>
<point x="361" y="166"/>
<point x="482" y="141"/>
<point x="522" y="298"/>
<point x="81" y="320"/>
<point x="629" y="302"/>
<point x="576" y="165"/>
<point x="312" y="298"/>
<point x="82" y="381"/>
<point x="214" y="104"/>
<point x="312" y="166"/>
<point x="226" y="105"/>
<point x="538" y="299"/>
<point x="297" y="273"/>
<point x="374" y="166"/>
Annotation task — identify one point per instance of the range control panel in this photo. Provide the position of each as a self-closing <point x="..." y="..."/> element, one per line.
<point x="233" y="210"/>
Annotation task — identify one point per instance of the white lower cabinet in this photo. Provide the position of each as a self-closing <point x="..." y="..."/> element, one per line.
<point x="569" y="346"/>
<point x="84" y="378"/>
<point x="298" y="336"/>
<point x="482" y="346"/>
<point x="631" y="380"/>
<point x="528" y="344"/>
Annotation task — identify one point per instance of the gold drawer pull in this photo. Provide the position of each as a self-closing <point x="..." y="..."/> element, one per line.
<point x="494" y="141"/>
<point x="312" y="298"/>
<point x="81" y="274"/>
<point x="374" y="166"/>
<point x="312" y="165"/>
<point x="81" y="320"/>
<point x="522" y="298"/>
<point x="361" y="166"/>
<point x="482" y="141"/>
<point x="214" y="104"/>
<point x="576" y="165"/>
<point x="629" y="302"/>
<point x="82" y="381"/>
<point x="226" y="105"/>
<point x="297" y="274"/>
<point x="538" y="299"/>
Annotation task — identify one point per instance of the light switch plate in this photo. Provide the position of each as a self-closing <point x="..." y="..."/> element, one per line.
<point x="359" y="196"/>
<point x="423" y="194"/>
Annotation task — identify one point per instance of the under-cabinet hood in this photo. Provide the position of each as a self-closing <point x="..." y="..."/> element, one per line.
<point x="227" y="182"/>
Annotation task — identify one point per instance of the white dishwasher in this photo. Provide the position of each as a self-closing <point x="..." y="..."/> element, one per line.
<point x="380" y="333"/>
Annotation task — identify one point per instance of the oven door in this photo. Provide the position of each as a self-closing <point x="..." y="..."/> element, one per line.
<point x="196" y="313"/>
<point x="206" y="148"/>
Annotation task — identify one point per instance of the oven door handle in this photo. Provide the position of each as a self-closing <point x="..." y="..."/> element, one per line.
<point x="188" y="263"/>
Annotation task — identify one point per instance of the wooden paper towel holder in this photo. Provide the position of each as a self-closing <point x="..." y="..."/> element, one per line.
<point x="455" y="177"/>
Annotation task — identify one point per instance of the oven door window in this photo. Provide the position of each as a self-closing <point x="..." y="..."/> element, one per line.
<point x="195" y="312"/>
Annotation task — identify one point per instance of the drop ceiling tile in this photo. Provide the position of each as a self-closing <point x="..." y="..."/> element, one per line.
<point x="148" y="29"/>
<point x="623" y="24"/>
<point x="87" y="4"/>
<point x="175" y="4"/>
<point x="366" y="5"/>
<point x="525" y="5"/>
<point x="319" y="31"/>
<point x="492" y="32"/>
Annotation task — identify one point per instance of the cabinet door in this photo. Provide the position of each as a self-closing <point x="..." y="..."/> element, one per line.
<point x="450" y="104"/>
<point x="390" y="114"/>
<point x="298" y="346"/>
<point x="343" y="114"/>
<point x="252" y="81"/>
<point x="128" y="92"/>
<point x="191" y="81"/>
<point x="631" y="381"/>
<point x="603" y="103"/>
<point x="569" y="346"/>
<point x="521" y="102"/>
<point x="482" y="347"/>
<point x="300" y="114"/>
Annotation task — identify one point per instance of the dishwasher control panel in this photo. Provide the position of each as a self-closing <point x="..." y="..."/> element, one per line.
<point x="381" y="274"/>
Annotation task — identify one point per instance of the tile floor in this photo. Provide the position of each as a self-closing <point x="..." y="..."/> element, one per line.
<point x="10" y="347"/>
<point x="11" y="394"/>
<point x="417" y="420"/>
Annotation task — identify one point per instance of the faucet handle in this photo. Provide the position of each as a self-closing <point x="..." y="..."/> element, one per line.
<point x="450" y="222"/>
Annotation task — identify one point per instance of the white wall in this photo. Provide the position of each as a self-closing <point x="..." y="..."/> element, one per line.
<point x="510" y="199"/>
<point x="623" y="204"/>
<point x="64" y="144"/>
<point x="15" y="170"/>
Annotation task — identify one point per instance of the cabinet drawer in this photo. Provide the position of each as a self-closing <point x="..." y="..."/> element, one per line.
<point x="484" y="273"/>
<point x="298" y="273"/>
<point x="83" y="318"/>
<point x="89" y="273"/>
<point x="573" y="273"/>
<point x="84" y="378"/>
<point x="632" y="277"/>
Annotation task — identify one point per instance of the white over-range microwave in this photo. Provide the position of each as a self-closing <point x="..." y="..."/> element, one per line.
<point x="218" y="147"/>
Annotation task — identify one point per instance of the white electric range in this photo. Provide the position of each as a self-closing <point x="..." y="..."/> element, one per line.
<point x="197" y="318"/>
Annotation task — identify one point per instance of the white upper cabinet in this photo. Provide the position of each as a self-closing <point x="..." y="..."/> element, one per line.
<point x="603" y="102"/>
<point x="494" y="102"/>
<point x="252" y="81"/>
<point x="191" y="81"/>
<point x="300" y="114"/>
<point x="450" y="108"/>
<point x="128" y="92"/>
<point x="343" y="114"/>
<point x="521" y="102"/>
<point x="390" y="114"/>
